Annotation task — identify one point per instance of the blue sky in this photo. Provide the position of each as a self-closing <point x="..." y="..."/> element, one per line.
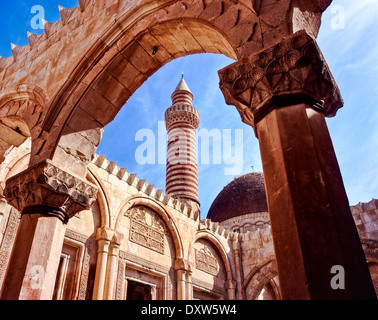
<point x="350" y="46"/>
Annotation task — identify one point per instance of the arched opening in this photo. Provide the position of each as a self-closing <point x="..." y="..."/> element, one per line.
<point x="13" y="132"/>
<point x="209" y="272"/>
<point x="120" y="76"/>
<point x="262" y="282"/>
<point x="139" y="134"/>
<point x="149" y="248"/>
<point x="110" y="81"/>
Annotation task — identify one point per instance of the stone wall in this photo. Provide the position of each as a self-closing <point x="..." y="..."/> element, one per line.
<point x="365" y="216"/>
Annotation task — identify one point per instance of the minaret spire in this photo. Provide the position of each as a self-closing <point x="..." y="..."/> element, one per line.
<point x="182" y="120"/>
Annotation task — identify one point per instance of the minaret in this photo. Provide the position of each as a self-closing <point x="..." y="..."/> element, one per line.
<point x="181" y="121"/>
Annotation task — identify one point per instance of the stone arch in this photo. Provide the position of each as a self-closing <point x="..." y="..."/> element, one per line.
<point x="163" y="214"/>
<point x="214" y="240"/>
<point x="128" y="53"/>
<point x="16" y="160"/>
<point x="21" y="115"/>
<point x="108" y="29"/>
<point x="261" y="275"/>
<point x="102" y="199"/>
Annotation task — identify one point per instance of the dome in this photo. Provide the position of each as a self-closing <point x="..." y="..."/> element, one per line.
<point x="243" y="195"/>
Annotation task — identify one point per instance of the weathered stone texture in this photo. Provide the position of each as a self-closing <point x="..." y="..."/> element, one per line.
<point x="365" y="216"/>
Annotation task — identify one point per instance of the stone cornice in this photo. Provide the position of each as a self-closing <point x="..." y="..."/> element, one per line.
<point x="45" y="184"/>
<point x="181" y="113"/>
<point x="143" y="187"/>
<point x="292" y="71"/>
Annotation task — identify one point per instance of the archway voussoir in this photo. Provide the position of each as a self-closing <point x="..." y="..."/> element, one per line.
<point x="98" y="107"/>
<point x="107" y="86"/>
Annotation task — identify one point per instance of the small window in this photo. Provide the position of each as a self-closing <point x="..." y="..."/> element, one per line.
<point x="138" y="291"/>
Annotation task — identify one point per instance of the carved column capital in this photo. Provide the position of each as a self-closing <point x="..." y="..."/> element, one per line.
<point x="292" y="71"/>
<point x="46" y="188"/>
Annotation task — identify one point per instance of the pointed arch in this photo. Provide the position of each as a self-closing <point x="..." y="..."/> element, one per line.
<point x="213" y="238"/>
<point x="262" y="274"/>
<point x="163" y="214"/>
<point x="103" y="199"/>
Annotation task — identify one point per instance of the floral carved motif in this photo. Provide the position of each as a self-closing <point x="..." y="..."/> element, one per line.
<point x="293" y="71"/>
<point x="206" y="261"/>
<point x="45" y="184"/>
<point x="146" y="228"/>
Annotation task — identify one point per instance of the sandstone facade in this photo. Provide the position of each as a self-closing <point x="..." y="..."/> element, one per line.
<point x="135" y="233"/>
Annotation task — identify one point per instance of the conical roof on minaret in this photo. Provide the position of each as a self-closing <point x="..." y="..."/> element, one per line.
<point x="182" y="86"/>
<point x="182" y="93"/>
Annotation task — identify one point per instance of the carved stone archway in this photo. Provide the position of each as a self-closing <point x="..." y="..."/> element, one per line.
<point x="259" y="277"/>
<point x="213" y="239"/>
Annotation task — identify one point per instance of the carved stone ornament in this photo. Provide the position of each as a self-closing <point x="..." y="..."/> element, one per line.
<point x="206" y="261"/>
<point x="146" y="228"/>
<point x="45" y="188"/>
<point x="291" y="72"/>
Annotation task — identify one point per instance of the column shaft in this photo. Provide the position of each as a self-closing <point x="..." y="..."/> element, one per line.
<point x="284" y="92"/>
<point x="312" y="227"/>
<point x="35" y="259"/>
<point x="47" y="198"/>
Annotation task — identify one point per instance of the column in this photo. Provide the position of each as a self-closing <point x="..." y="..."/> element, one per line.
<point x="47" y="198"/>
<point x="181" y="284"/>
<point x="230" y="289"/>
<point x="183" y="279"/>
<point x="239" y="284"/>
<point x="108" y="244"/>
<point x="285" y="92"/>
<point x="189" y="285"/>
<point x="112" y="266"/>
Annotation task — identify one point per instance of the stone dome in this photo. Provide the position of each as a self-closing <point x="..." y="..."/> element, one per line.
<point x="244" y="195"/>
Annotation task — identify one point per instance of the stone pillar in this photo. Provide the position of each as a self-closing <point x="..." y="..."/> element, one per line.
<point x="112" y="266"/>
<point x="47" y="198"/>
<point x="239" y="284"/>
<point x="189" y="285"/>
<point x="285" y="92"/>
<point x="230" y="289"/>
<point x="103" y="244"/>
<point x="183" y="278"/>
<point x="181" y="284"/>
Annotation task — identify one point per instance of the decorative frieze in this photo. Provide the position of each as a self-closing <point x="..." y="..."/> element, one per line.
<point x="7" y="242"/>
<point x="146" y="228"/>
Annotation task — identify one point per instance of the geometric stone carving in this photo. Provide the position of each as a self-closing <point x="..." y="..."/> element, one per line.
<point x="290" y="72"/>
<point x="146" y="228"/>
<point x="259" y="278"/>
<point x="205" y="261"/>
<point x="7" y="242"/>
<point x="45" y="188"/>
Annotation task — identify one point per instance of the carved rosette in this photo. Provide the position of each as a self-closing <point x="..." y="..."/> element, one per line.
<point x="291" y="72"/>
<point x="46" y="188"/>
